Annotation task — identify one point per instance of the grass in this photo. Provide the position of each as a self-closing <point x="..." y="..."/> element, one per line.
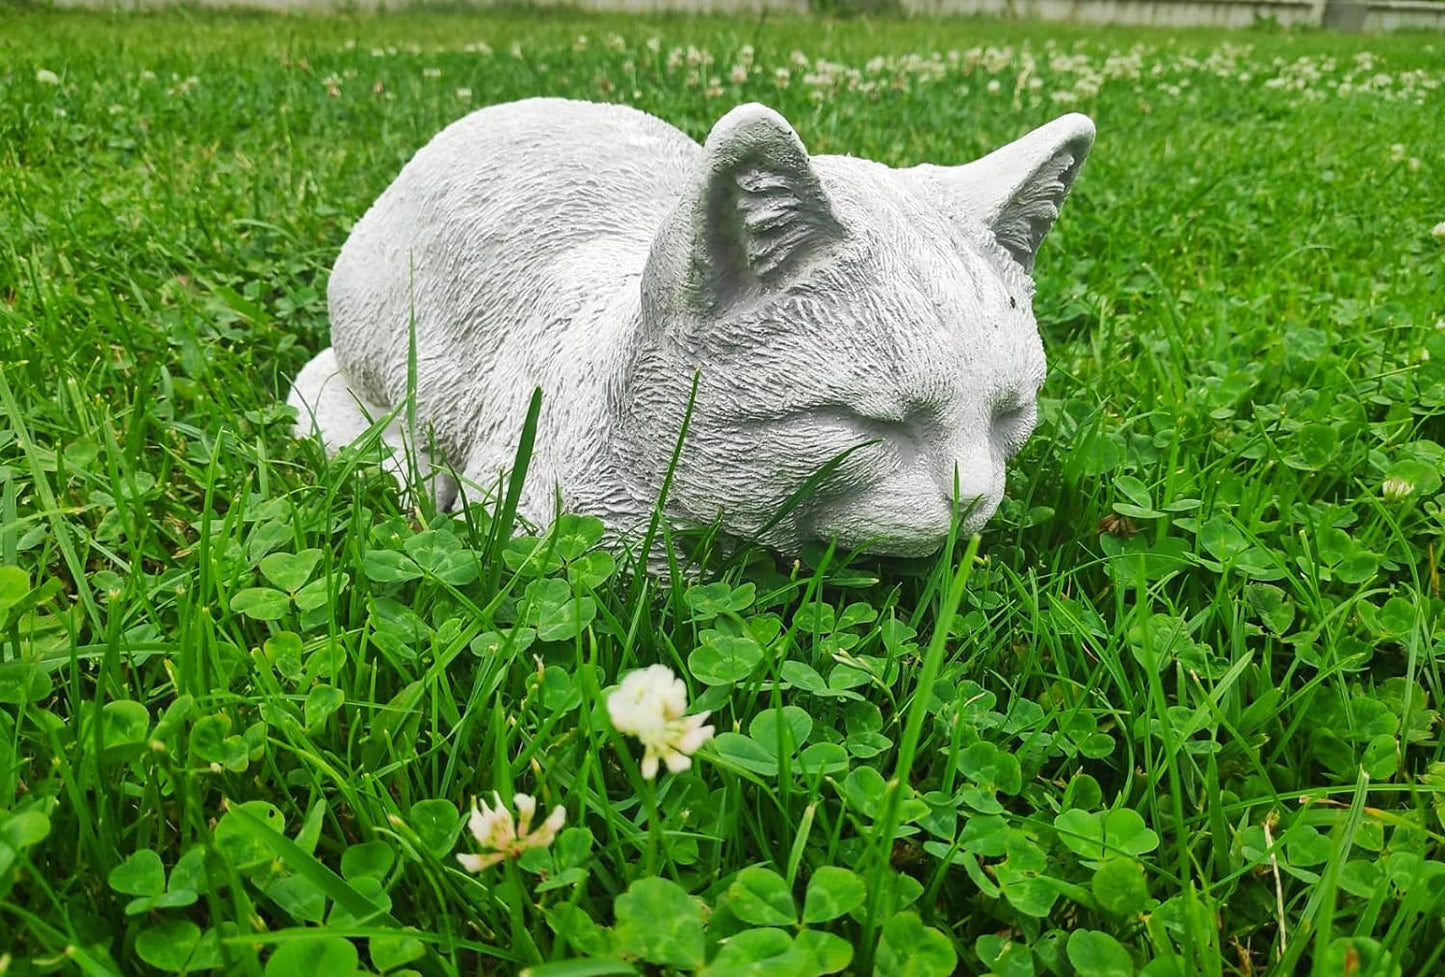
<point x="1179" y="716"/>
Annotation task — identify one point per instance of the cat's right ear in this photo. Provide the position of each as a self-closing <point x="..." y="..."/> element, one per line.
<point x="755" y="212"/>
<point x="1016" y="191"/>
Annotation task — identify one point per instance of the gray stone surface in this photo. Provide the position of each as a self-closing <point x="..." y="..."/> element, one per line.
<point x="826" y="303"/>
<point x="1153" y="13"/>
<point x="1346" y="15"/>
<point x="1395" y="15"/>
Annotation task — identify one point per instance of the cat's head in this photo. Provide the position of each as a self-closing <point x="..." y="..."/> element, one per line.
<point x="837" y="307"/>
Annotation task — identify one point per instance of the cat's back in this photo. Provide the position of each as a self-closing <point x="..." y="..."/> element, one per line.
<point x="482" y="211"/>
<point x="476" y="242"/>
<point x="548" y="169"/>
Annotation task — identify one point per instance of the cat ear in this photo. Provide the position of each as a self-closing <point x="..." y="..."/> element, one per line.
<point x="756" y="210"/>
<point x="1016" y="191"/>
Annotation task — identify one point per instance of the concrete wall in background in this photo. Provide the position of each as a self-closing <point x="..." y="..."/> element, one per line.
<point x="1159" y="13"/>
<point x="1343" y="15"/>
<point x="688" y="6"/>
<point x="1346" y="15"/>
<point x="1394" y="15"/>
<point x="622" y="6"/>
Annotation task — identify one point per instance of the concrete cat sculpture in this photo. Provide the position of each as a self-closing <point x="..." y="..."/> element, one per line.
<point x="597" y="252"/>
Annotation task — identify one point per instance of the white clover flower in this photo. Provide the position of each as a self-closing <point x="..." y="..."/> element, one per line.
<point x="650" y="705"/>
<point x="464" y="94"/>
<point x="1438" y="231"/>
<point x="493" y="828"/>
<point x="47" y="77"/>
<point x="526" y="806"/>
<point x="1397" y="489"/>
<point x="546" y="832"/>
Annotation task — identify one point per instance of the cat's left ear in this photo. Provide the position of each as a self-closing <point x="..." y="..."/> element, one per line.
<point x="757" y="210"/>
<point x="1015" y="191"/>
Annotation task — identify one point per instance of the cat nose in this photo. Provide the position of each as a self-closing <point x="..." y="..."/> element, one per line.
<point x="972" y="485"/>
<point x="974" y="512"/>
<point x="971" y="474"/>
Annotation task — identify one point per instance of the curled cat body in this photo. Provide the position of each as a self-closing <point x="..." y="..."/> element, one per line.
<point x="824" y="303"/>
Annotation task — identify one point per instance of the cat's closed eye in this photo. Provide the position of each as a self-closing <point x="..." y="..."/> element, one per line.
<point x="871" y="443"/>
<point x="856" y="426"/>
<point x="1013" y="422"/>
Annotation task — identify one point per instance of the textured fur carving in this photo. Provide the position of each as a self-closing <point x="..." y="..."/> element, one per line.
<point x="599" y="253"/>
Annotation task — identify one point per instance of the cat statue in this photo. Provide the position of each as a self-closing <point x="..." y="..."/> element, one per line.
<point x="830" y="307"/>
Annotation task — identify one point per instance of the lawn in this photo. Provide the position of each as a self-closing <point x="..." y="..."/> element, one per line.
<point x="1178" y="716"/>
